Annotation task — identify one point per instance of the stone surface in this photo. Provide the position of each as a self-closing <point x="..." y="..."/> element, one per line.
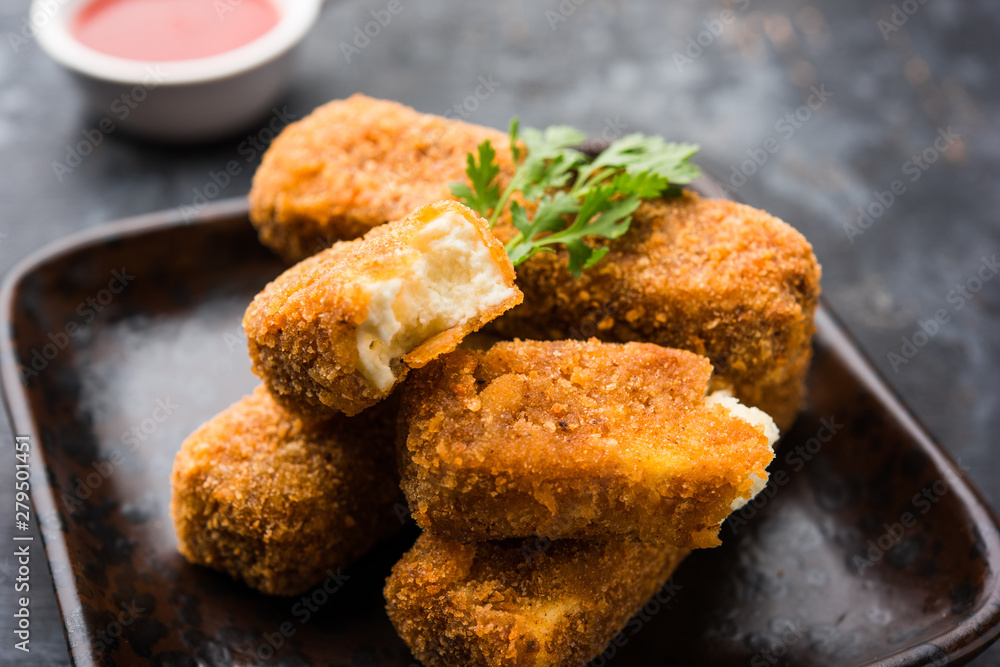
<point x="880" y="95"/>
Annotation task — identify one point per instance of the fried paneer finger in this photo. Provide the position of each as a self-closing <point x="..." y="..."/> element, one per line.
<point x="354" y="164"/>
<point x="336" y="332"/>
<point x="276" y="502"/>
<point x="713" y="277"/>
<point x="486" y="605"/>
<point x="710" y="276"/>
<point x="578" y="439"/>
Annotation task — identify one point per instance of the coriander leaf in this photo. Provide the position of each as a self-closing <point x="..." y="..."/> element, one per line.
<point x="579" y="256"/>
<point x="646" y="185"/>
<point x="484" y="195"/>
<point x="543" y="176"/>
<point x="524" y="250"/>
<point x="582" y="256"/>
<point x="551" y="159"/>
<point x="549" y="163"/>
<point x="520" y="247"/>
<point x="549" y="217"/>
<point x="574" y="196"/>
<point x="602" y="213"/>
<point x="614" y="220"/>
<point x="465" y="195"/>
<point x="550" y="212"/>
<point x="596" y="256"/>
<point x="637" y="153"/>
<point x="519" y="216"/>
<point x="514" y="134"/>
<point x="551" y="142"/>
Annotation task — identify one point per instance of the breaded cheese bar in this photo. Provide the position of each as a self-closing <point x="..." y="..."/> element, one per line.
<point x="276" y="502"/>
<point x="354" y="164"/>
<point x="713" y="277"/>
<point x="710" y="276"/>
<point x="576" y="439"/>
<point x="336" y="332"/>
<point x="486" y="605"/>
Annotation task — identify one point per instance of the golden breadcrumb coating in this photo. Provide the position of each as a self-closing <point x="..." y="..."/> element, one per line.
<point x="713" y="277"/>
<point x="339" y="330"/>
<point x="576" y="439"/>
<point x="488" y="605"/>
<point x="710" y="276"/>
<point x="277" y="503"/>
<point x="354" y="164"/>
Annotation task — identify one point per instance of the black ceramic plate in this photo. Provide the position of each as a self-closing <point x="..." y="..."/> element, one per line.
<point x="868" y="547"/>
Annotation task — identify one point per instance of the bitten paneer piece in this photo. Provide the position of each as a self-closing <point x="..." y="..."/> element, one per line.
<point x="710" y="276"/>
<point x="578" y="439"/>
<point x="336" y="332"/>
<point x="276" y="502"/>
<point x="354" y="164"/>
<point x="487" y="605"/>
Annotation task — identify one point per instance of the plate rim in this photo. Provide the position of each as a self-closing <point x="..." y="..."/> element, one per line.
<point x="965" y="640"/>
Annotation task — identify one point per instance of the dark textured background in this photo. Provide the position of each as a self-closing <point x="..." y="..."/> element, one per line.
<point x="612" y="64"/>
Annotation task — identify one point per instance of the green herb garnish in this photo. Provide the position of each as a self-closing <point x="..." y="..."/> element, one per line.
<point x="575" y="195"/>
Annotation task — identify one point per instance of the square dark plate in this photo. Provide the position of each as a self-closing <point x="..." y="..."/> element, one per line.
<point x="869" y="546"/>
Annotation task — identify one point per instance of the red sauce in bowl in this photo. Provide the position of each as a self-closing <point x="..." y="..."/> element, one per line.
<point x="169" y="30"/>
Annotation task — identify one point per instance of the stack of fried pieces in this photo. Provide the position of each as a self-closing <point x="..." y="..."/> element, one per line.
<point x="558" y="482"/>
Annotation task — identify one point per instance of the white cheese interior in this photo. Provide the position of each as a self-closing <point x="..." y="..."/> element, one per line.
<point x="452" y="278"/>
<point x="753" y="416"/>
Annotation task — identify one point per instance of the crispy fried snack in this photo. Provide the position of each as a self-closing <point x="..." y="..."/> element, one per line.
<point x="710" y="276"/>
<point x="487" y="605"/>
<point x="354" y="164"/>
<point x="275" y="502"/>
<point x="339" y="330"/>
<point x="578" y="439"/>
<point x="713" y="277"/>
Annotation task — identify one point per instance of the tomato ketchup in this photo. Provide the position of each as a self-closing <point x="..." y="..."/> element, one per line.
<point x="170" y="30"/>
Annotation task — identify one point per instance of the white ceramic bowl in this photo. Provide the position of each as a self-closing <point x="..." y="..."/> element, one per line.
<point x="187" y="100"/>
